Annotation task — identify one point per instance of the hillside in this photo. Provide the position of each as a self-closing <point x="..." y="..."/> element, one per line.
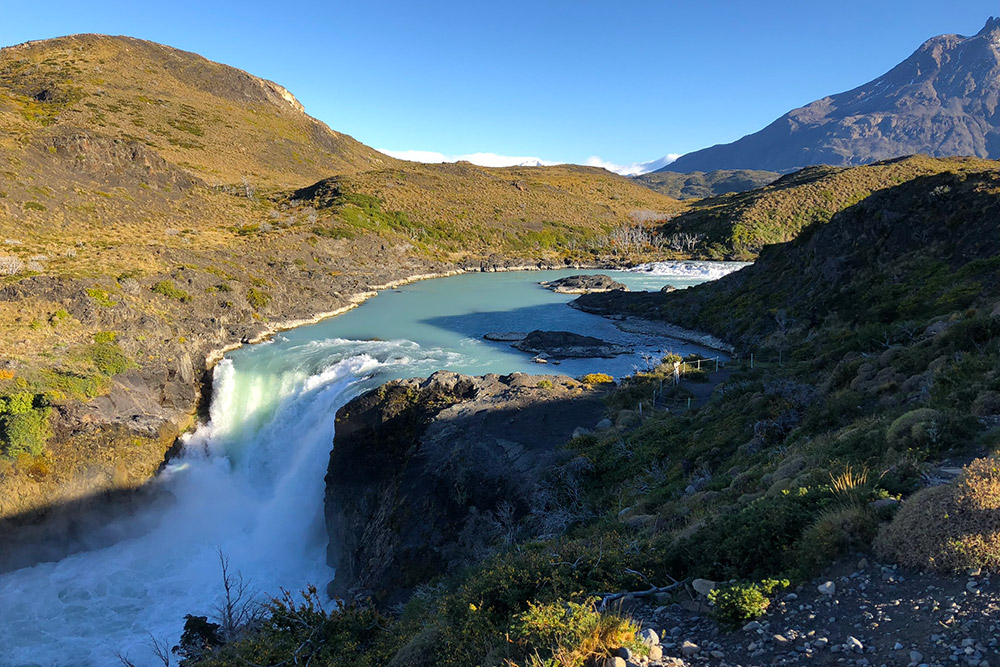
<point x="939" y="101"/>
<point x="740" y="225"/>
<point x="833" y="495"/>
<point x="156" y="207"/>
<point x="699" y="184"/>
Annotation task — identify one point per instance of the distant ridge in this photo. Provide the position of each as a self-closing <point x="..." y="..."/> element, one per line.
<point x="941" y="101"/>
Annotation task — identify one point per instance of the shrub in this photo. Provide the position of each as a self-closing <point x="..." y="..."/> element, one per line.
<point x="10" y="265"/>
<point x="257" y="298"/>
<point x="917" y="428"/>
<point x="102" y="297"/>
<point x="597" y="378"/>
<point x="835" y="533"/>
<point x="105" y="337"/>
<point x="168" y="289"/>
<point x="568" y="634"/>
<point x="24" y="428"/>
<point x="109" y="358"/>
<point x="738" y="603"/>
<point x="949" y="528"/>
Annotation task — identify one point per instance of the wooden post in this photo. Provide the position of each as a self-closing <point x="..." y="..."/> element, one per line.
<point x="689" y="402"/>
<point x="751" y="361"/>
<point x="716" y="364"/>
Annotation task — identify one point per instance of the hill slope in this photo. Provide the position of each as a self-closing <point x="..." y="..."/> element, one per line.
<point x="699" y="184"/>
<point x="940" y="101"/>
<point x="739" y="225"/>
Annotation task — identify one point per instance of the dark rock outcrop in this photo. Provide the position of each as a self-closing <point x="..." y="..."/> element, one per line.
<point x="564" y="344"/>
<point x="427" y="474"/>
<point x="584" y="284"/>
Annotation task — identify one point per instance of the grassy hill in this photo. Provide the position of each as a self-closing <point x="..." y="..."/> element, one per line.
<point x="700" y="184"/>
<point x="739" y="225"/>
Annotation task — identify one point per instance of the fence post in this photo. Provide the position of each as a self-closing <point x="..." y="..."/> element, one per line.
<point x="751" y="361"/>
<point x="689" y="402"/>
<point x="716" y="364"/>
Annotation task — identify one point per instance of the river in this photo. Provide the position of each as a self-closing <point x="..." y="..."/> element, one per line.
<point x="250" y="481"/>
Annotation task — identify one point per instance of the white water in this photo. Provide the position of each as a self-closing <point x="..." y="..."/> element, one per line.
<point x="250" y="482"/>
<point x="690" y="270"/>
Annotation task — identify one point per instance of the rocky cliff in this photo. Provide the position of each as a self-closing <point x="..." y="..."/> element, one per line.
<point x="429" y="474"/>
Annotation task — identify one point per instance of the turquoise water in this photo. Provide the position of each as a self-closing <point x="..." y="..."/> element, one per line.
<point x="250" y="481"/>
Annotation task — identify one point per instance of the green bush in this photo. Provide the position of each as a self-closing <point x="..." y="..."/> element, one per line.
<point x="109" y="358"/>
<point x="738" y="603"/>
<point x="168" y="289"/>
<point x="102" y="297"/>
<point x="257" y="298"/>
<point x="569" y="634"/>
<point x="24" y="424"/>
<point x="105" y="337"/>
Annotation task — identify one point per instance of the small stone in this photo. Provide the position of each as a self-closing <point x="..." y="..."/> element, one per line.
<point x="780" y="640"/>
<point x="854" y="644"/>
<point x="821" y="642"/>
<point x="649" y="637"/>
<point x="624" y="652"/>
<point x="655" y="652"/>
<point x="975" y="571"/>
<point x="703" y="586"/>
<point x="791" y="597"/>
<point x="828" y="588"/>
<point x="604" y="425"/>
<point x="717" y="654"/>
<point x="863" y="563"/>
<point x="752" y="626"/>
<point x="690" y="649"/>
<point x="580" y="431"/>
<point x="615" y="661"/>
<point x="897" y="646"/>
<point x="916" y="657"/>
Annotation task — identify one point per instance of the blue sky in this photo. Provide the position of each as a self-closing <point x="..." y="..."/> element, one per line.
<point x="561" y="80"/>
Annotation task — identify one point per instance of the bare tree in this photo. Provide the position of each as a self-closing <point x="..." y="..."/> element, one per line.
<point x="239" y="608"/>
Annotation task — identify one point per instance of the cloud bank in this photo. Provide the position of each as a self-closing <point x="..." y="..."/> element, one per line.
<point x="482" y="159"/>
<point x="496" y="160"/>
<point x="635" y="168"/>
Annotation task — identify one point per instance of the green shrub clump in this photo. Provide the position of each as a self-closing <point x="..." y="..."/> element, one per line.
<point x="109" y="358"/>
<point x="102" y="297"/>
<point x="24" y="424"/>
<point x="257" y="298"/>
<point x="569" y="634"/>
<point x="738" y="603"/>
<point x="168" y="289"/>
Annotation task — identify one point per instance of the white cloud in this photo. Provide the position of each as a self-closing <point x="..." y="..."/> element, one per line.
<point x="635" y="168"/>
<point x="482" y="159"/>
<point x="495" y="160"/>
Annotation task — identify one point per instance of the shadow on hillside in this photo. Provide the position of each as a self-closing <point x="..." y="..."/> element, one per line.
<point x="84" y="524"/>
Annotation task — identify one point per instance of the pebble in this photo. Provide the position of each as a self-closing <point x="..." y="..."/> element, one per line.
<point x="828" y="588"/>
<point x="854" y="644"/>
<point x="751" y="626"/>
<point x="655" y="652"/>
<point x="916" y="657"/>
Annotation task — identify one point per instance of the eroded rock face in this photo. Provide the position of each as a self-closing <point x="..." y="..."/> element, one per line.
<point x="585" y="284"/>
<point x="564" y="344"/>
<point x="424" y="473"/>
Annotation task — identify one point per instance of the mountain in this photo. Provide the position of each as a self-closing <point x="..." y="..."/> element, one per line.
<point x="699" y="184"/>
<point x="941" y="101"/>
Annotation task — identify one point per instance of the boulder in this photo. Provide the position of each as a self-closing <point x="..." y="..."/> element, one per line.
<point x="703" y="586"/>
<point x="585" y="284"/>
<point x="564" y="344"/>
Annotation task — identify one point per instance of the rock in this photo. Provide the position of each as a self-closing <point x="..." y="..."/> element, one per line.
<point x="827" y="588"/>
<point x="649" y="637"/>
<point x="668" y="288"/>
<point x="854" y="644"/>
<point x="821" y="642"/>
<point x="752" y="626"/>
<point x="916" y="657"/>
<point x="791" y="597"/>
<point x="585" y="284"/>
<point x="627" y="419"/>
<point x="863" y="563"/>
<point x="505" y="336"/>
<point x="565" y="344"/>
<point x="624" y="652"/>
<point x="396" y="447"/>
<point x="655" y="652"/>
<point x="883" y="502"/>
<point x="580" y="431"/>
<point x="717" y="654"/>
<point x="780" y="640"/>
<point x="703" y="586"/>
<point x="897" y="646"/>
<point x="615" y="661"/>
<point x="540" y="360"/>
<point x="689" y="649"/>
<point x="604" y="425"/>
